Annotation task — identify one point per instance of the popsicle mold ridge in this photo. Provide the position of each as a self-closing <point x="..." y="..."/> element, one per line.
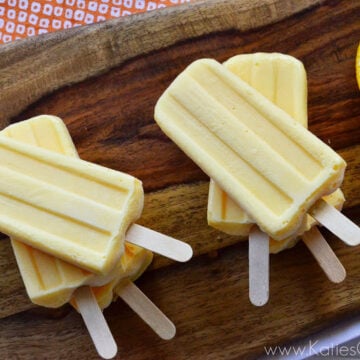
<point x="50" y="281"/>
<point x="266" y="161"/>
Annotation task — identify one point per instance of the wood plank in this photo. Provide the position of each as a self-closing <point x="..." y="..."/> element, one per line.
<point x="111" y="120"/>
<point x="67" y="57"/>
<point x="173" y="211"/>
<point x="208" y="302"/>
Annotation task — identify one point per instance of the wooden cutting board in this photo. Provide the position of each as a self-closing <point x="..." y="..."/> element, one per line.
<point x="104" y="80"/>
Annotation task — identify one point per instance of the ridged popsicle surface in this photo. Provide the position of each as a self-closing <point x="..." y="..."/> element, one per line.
<point x="50" y="281"/>
<point x="67" y="207"/>
<point x="281" y="79"/>
<point x="266" y="161"/>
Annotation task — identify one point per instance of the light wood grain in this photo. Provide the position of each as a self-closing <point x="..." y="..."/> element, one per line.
<point x="324" y="255"/>
<point x="95" y="323"/>
<point x="110" y="118"/>
<point x="337" y="223"/>
<point x="159" y="243"/>
<point x="259" y="269"/>
<point x="147" y="310"/>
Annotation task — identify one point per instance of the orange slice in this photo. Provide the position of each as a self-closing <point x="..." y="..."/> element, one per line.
<point x="357" y="65"/>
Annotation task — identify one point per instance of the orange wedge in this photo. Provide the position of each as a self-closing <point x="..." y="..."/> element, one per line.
<point x="357" y="65"/>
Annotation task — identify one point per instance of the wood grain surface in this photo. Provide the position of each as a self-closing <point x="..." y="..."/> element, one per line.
<point x="110" y="118"/>
<point x="70" y="56"/>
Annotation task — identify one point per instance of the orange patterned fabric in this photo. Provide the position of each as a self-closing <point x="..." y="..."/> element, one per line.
<point x="23" y="18"/>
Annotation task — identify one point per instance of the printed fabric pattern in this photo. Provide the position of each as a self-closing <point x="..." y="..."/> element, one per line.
<point x="23" y="18"/>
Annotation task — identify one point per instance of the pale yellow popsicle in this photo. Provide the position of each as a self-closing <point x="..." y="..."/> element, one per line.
<point x="50" y="281"/>
<point x="133" y="263"/>
<point x="69" y="208"/>
<point x="281" y="79"/>
<point x="265" y="160"/>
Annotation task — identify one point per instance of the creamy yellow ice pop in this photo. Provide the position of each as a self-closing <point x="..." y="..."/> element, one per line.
<point x="50" y="281"/>
<point x="69" y="208"/>
<point x="132" y="264"/>
<point x="266" y="161"/>
<point x="281" y="79"/>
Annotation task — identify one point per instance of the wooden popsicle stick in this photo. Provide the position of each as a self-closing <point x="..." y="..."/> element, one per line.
<point x="95" y="322"/>
<point x="147" y="310"/>
<point x="258" y="267"/>
<point x="336" y="222"/>
<point x="159" y="243"/>
<point x="324" y="255"/>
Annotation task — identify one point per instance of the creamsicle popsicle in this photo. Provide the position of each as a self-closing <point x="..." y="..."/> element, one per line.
<point x="50" y="281"/>
<point x="266" y="161"/>
<point x="69" y="208"/>
<point x="117" y="195"/>
<point x="132" y="265"/>
<point x="282" y="79"/>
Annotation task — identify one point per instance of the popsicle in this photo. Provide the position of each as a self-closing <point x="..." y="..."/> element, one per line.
<point x="133" y="264"/>
<point x="76" y="210"/>
<point x="49" y="281"/>
<point x="52" y="282"/>
<point x="266" y="161"/>
<point x="72" y="209"/>
<point x="282" y="79"/>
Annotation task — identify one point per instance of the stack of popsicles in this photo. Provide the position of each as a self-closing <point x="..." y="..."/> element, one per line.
<point x="67" y="220"/>
<point x="243" y="122"/>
